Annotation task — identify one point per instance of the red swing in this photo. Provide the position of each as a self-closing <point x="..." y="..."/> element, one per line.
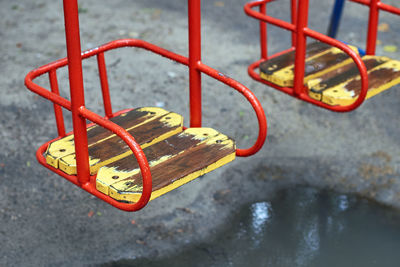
<point x="328" y="73"/>
<point x="97" y="157"/>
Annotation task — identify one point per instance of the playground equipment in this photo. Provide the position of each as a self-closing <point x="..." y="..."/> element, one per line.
<point x="328" y="73"/>
<point x="97" y="157"/>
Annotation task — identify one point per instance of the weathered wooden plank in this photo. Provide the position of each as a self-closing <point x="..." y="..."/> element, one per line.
<point x="316" y="65"/>
<point x="341" y="75"/>
<point x="380" y="79"/>
<point x="124" y="168"/>
<point x="277" y="63"/>
<point x="114" y="148"/>
<point x="174" y="162"/>
<point x="66" y="146"/>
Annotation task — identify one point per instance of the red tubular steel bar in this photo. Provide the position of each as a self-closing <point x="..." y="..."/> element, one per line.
<point x="301" y="46"/>
<point x="382" y="6"/>
<point x="300" y="29"/>
<point x="133" y="145"/>
<point x="277" y="22"/>
<point x="263" y="33"/>
<point x="262" y="121"/>
<point x="194" y="16"/>
<point x="372" y="27"/>
<point x="104" y="84"/>
<point x="76" y="88"/>
<point x="357" y="60"/>
<point x="57" y="108"/>
<point x="294" y="19"/>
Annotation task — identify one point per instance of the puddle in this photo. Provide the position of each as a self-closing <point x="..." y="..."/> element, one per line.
<point x="299" y="227"/>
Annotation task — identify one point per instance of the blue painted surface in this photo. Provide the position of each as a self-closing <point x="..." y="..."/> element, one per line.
<point x="335" y="18"/>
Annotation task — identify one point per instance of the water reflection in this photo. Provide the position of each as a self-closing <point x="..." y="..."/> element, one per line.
<point x="299" y="227"/>
<point x="261" y="213"/>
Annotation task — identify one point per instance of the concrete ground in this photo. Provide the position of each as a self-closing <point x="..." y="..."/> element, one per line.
<point x="46" y="221"/>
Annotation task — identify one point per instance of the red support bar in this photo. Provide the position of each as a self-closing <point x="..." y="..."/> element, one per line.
<point x="104" y="84"/>
<point x="372" y="27"/>
<point x="301" y="45"/>
<point x="382" y="6"/>
<point x="293" y="16"/>
<point x="76" y="87"/>
<point x="194" y="16"/>
<point x="57" y="108"/>
<point x="263" y="33"/>
<point x="389" y="8"/>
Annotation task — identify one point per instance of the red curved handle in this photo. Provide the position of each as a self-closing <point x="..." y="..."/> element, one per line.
<point x="137" y="152"/>
<point x="255" y="103"/>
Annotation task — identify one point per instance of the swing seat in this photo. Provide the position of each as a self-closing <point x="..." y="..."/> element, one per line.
<point x="320" y="59"/>
<point x="342" y="86"/>
<point x="175" y="156"/>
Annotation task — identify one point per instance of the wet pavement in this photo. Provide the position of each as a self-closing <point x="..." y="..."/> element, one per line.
<point x="298" y="227"/>
<point x="47" y="221"/>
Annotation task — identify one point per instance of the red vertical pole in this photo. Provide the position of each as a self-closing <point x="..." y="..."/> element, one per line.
<point x="263" y="33"/>
<point x="104" y="84"/>
<point x="195" y="57"/>
<point x="372" y="27"/>
<point x="293" y="10"/>
<point x="76" y="87"/>
<point x="301" y="39"/>
<point x="57" y="108"/>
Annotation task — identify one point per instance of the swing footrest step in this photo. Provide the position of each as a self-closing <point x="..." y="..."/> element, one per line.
<point x="173" y="162"/>
<point x="320" y="59"/>
<point x="148" y="125"/>
<point x="342" y="86"/>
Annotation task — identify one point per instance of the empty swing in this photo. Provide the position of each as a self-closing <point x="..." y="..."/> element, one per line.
<point x="327" y="73"/>
<point x="130" y="157"/>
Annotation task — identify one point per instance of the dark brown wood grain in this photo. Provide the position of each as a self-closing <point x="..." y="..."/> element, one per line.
<point x="323" y="62"/>
<point x="344" y="73"/>
<point x="129" y="120"/>
<point x="376" y="78"/>
<point x="287" y="59"/>
<point x="145" y="133"/>
<point x="171" y="146"/>
<point x="193" y="159"/>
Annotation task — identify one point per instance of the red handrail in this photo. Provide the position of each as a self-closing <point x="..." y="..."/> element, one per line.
<point x="134" y="146"/>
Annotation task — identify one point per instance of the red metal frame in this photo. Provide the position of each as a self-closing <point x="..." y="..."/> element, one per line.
<point x="80" y="113"/>
<point x="300" y="32"/>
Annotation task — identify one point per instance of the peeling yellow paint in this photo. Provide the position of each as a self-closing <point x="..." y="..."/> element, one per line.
<point x="285" y="76"/>
<point x="66" y="146"/>
<point x="135" y="192"/>
<point x="339" y="95"/>
<point x="116" y="187"/>
<point x="68" y="164"/>
<point x="106" y="176"/>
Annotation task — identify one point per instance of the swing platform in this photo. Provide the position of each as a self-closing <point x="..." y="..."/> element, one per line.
<point x="330" y="75"/>
<point x="325" y="72"/>
<point x="176" y="156"/>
